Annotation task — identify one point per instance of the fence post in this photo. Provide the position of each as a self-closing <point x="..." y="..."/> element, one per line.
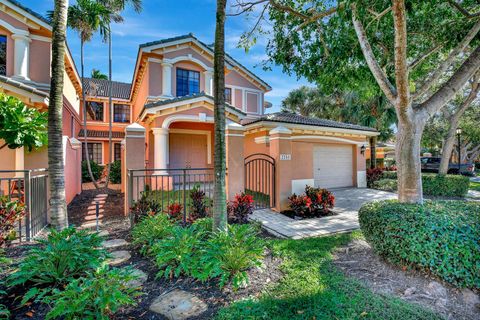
<point x="28" y="203"/>
<point x="130" y="195"/>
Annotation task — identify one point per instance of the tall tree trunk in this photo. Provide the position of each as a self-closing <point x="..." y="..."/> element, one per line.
<point x="85" y="139"/>
<point x="110" y="107"/>
<point x="407" y="155"/>
<point x="58" y="205"/>
<point x="454" y="121"/>
<point x="373" y="152"/>
<point x="219" y="198"/>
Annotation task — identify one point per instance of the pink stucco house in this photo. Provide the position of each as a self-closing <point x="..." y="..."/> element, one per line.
<point x="163" y="119"/>
<point x="25" y="54"/>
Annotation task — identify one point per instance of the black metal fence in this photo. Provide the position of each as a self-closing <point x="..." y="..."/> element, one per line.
<point x="170" y="186"/>
<point x="31" y="188"/>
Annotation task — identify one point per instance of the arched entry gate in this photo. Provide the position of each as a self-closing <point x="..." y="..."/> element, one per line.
<point x="260" y="179"/>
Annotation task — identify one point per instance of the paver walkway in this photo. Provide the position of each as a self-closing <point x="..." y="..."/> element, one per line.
<point x="91" y="217"/>
<point x="347" y="203"/>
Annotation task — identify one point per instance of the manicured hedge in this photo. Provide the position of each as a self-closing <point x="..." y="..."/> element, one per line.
<point x="433" y="184"/>
<point x="441" y="236"/>
<point x="116" y="172"/>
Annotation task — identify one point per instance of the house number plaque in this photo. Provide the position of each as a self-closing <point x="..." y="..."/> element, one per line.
<point x="285" y="157"/>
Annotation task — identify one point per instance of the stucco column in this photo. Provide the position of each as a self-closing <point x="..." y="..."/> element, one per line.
<point x="21" y="66"/>
<point x="167" y="79"/>
<point x="281" y="151"/>
<point x="160" y="159"/>
<point x="208" y="75"/>
<point x="234" y="135"/>
<point x="134" y="158"/>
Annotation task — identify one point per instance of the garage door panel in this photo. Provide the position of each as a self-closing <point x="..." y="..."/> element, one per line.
<point x="332" y="166"/>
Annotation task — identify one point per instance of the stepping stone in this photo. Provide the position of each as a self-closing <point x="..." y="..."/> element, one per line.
<point x="103" y="233"/>
<point x="93" y="217"/>
<point x="90" y="225"/>
<point x="118" y="257"/>
<point x="94" y="211"/>
<point x="101" y="195"/>
<point x="115" y="243"/>
<point x="178" y="305"/>
<point x="94" y="207"/>
<point x="141" y="278"/>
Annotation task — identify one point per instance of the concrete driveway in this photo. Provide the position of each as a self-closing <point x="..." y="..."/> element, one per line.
<point x="347" y="203"/>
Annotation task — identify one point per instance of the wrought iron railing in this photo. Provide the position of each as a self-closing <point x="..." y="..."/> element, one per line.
<point x="31" y="188"/>
<point x="168" y="186"/>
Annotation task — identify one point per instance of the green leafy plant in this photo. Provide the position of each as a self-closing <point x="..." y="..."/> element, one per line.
<point x="149" y="230"/>
<point x="386" y="185"/>
<point x="65" y="255"/>
<point x="97" y="295"/>
<point x="10" y="213"/>
<point x="178" y="253"/>
<point x="97" y="171"/>
<point x="116" y="172"/>
<point x="441" y="236"/>
<point x="228" y="255"/>
<point x="4" y="264"/>
<point x="203" y="226"/>
<point x="21" y="126"/>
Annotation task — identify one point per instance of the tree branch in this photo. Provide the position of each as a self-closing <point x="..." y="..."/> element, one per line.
<point x="378" y="16"/>
<point x="378" y="73"/>
<point x="420" y="59"/>
<point x="401" y="67"/>
<point x="440" y="71"/>
<point x="3" y="146"/>
<point x="246" y="6"/>
<point x="463" y="11"/>
<point x="320" y="15"/>
<point x="453" y="85"/>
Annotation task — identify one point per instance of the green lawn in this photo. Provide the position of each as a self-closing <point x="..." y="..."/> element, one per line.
<point x="313" y="288"/>
<point x="474" y="186"/>
<point x="164" y="198"/>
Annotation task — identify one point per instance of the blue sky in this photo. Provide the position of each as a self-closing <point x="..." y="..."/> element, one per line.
<point x="168" y="18"/>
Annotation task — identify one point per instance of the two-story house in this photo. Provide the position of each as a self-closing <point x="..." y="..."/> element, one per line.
<point x="25" y="55"/>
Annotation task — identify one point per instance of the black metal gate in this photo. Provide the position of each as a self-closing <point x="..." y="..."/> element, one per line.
<point x="260" y="179"/>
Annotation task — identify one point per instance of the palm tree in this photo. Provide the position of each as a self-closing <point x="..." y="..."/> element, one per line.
<point x="219" y="195"/>
<point x="97" y="74"/>
<point x="86" y="17"/>
<point x="58" y="205"/>
<point x="115" y="7"/>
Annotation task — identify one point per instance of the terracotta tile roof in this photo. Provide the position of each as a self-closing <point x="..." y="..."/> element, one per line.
<point x="23" y="86"/>
<point x="100" y="87"/>
<point x="287" y="117"/>
<point x="101" y="134"/>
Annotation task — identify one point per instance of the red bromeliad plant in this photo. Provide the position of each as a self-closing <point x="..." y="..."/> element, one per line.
<point x="240" y="208"/>
<point x="174" y="211"/>
<point x="300" y="205"/>
<point x="10" y="212"/>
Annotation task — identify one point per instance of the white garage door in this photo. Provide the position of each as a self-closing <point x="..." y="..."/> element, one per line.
<point x="332" y="166"/>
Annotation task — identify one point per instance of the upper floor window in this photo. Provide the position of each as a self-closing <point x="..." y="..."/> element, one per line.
<point x="94" y="111"/>
<point x="117" y="152"/>
<point x="188" y="82"/>
<point x="228" y="95"/>
<point x="3" y="55"/>
<point x="121" y="113"/>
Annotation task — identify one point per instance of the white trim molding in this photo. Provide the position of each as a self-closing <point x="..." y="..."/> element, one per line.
<point x="189" y="58"/>
<point x="298" y="186"/>
<point x="201" y="117"/>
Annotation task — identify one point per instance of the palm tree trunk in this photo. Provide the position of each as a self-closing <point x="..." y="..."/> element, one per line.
<point x="110" y="106"/>
<point x="219" y="197"/>
<point x="85" y="140"/>
<point x="58" y="205"/>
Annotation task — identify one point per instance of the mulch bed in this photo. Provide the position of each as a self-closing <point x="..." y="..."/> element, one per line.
<point x="314" y="215"/>
<point x="118" y="228"/>
<point x="357" y="260"/>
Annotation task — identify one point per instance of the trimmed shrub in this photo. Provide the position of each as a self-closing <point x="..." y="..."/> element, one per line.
<point x="440" y="236"/>
<point x="97" y="171"/>
<point x="116" y="172"/>
<point x="433" y="184"/>
<point x="445" y="185"/>
<point x="386" y="185"/>
<point x="322" y="199"/>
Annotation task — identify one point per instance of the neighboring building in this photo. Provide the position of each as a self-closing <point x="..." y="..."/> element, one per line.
<point x="25" y="55"/>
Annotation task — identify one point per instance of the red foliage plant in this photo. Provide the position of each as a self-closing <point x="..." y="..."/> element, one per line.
<point x="300" y="204"/>
<point x="10" y="212"/>
<point x="240" y="208"/>
<point x="175" y="211"/>
<point x="373" y="175"/>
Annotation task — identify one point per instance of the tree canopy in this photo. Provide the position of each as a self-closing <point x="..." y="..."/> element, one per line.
<point x="21" y="126"/>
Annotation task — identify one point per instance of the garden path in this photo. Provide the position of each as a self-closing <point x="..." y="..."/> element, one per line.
<point x="347" y="203"/>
